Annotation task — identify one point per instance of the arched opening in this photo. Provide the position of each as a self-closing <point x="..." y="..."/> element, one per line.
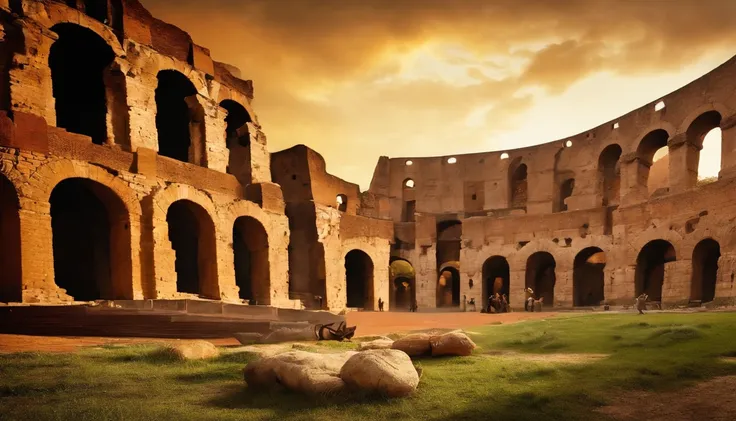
<point x="448" y="287"/>
<point x="654" y="161"/>
<point x="518" y="185"/>
<point x="342" y="202"/>
<point x="588" y="278"/>
<point x="96" y="9"/>
<point x="566" y="189"/>
<point x="91" y="241"/>
<point x="609" y="171"/>
<point x="78" y="60"/>
<point x="192" y="236"/>
<point x="402" y="276"/>
<point x="496" y="278"/>
<point x="10" y="258"/>
<point x="359" y="280"/>
<point x="704" y="133"/>
<point x="179" y="118"/>
<point x="705" y="270"/>
<point x="236" y="129"/>
<point x="250" y="251"/>
<point x="650" y="268"/>
<point x="409" y="199"/>
<point x="540" y="276"/>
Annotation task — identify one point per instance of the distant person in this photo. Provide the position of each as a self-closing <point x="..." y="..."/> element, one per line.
<point x="472" y="303"/>
<point x="641" y="303"/>
<point x="319" y="299"/>
<point x="380" y="304"/>
<point x="528" y="293"/>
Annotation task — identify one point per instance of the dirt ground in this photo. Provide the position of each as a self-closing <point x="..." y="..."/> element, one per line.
<point x="712" y="400"/>
<point x="368" y="324"/>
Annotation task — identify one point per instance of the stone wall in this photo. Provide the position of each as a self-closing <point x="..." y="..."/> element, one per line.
<point x="611" y="207"/>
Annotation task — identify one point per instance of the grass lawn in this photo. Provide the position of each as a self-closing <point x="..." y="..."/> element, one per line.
<point x="650" y="352"/>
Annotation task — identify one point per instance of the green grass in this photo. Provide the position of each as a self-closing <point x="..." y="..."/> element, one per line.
<point x="652" y="352"/>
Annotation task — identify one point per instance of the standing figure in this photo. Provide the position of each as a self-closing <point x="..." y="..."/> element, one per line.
<point x="528" y="294"/>
<point x="380" y="304"/>
<point x="641" y="303"/>
<point x="504" y="304"/>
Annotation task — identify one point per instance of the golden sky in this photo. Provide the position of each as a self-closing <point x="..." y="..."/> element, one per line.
<point x="357" y="79"/>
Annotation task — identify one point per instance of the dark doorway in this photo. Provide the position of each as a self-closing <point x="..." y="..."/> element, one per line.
<point x="10" y="258"/>
<point x="403" y="292"/>
<point x="192" y="236"/>
<point x="78" y="60"/>
<point x="496" y="278"/>
<point x="588" y="279"/>
<point x="705" y="270"/>
<point x="518" y="185"/>
<point x="540" y="276"/>
<point x="650" y="268"/>
<point x="91" y="241"/>
<point x="566" y="190"/>
<point x="250" y="248"/>
<point x="359" y="280"/>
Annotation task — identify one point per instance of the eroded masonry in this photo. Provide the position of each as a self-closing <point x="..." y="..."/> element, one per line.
<point x="134" y="167"/>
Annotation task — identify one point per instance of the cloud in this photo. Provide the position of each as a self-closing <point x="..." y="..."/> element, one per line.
<point x="359" y="79"/>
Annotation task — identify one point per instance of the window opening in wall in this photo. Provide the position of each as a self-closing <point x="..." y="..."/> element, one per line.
<point x="452" y="160"/>
<point x="179" y="118"/>
<point x="410" y="207"/>
<point x="705" y="132"/>
<point x="504" y="156"/>
<point x="568" y="144"/>
<point x="609" y="172"/>
<point x="409" y="183"/>
<point x="236" y="130"/>
<point x="659" y="106"/>
<point x="518" y="185"/>
<point x="474" y="197"/>
<point x="566" y="189"/>
<point x="615" y="126"/>
<point x="654" y="161"/>
<point x="409" y="163"/>
<point x="78" y="60"/>
<point x="342" y="202"/>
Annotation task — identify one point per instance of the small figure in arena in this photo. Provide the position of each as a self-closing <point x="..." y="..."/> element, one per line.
<point x="641" y="303"/>
<point x="528" y="299"/>
<point x="380" y="304"/>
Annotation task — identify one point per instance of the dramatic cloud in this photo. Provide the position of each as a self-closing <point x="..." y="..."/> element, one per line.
<point x="359" y="79"/>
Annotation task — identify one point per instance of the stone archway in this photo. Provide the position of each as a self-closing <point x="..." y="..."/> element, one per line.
<point x="359" y="280"/>
<point x="540" y="276"/>
<point x="192" y="236"/>
<point x="588" y="278"/>
<point x="179" y="119"/>
<point x="496" y="278"/>
<point x="705" y="270"/>
<point x="650" y="264"/>
<point x="403" y="284"/>
<point x="91" y="241"/>
<point x="250" y="250"/>
<point x="448" y="287"/>
<point x="78" y="61"/>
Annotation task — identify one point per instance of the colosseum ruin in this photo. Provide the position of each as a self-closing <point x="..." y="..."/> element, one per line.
<point x="134" y="169"/>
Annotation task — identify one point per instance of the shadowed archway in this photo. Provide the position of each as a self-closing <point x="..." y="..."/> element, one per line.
<point x="588" y="277"/>
<point x="650" y="268"/>
<point x="540" y="276"/>
<point x="359" y="280"/>
<point x="250" y="252"/>
<point x="705" y="270"/>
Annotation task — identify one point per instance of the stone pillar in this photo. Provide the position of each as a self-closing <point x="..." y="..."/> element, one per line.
<point x="260" y="158"/>
<point x="517" y="284"/>
<point x="226" y="268"/>
<point x="725" y="288"/>
<point x="216" y="153"/>
<point x="540" y="185"/>
<point x="728" y="147"/>
<point x="683" y="170"/>
<point x="31" y="86"/>
<point x="676" y="286"/>
<point x="37" y="255"/>
<point x="141" y="98"/>
<point x="634" y="177"/>
<point x="563" y="291"/>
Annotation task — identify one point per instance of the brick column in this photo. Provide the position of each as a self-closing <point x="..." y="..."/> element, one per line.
<point x="728" y="147"/>
<point x="634" y="177"/>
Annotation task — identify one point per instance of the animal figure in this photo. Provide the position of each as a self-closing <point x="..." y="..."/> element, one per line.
<point x="641" y="303"/>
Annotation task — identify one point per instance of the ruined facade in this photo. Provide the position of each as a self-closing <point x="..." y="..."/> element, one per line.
<point x="134" y="167"/>
<point x="579" y="220"/>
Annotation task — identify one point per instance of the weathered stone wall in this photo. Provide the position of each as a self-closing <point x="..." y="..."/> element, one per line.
<point x="476" y="188"/>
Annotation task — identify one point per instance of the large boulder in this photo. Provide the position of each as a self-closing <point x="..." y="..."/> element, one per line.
<point x="388" y="372"/>
<point x="376" y="344"/>
<point x="300" y="371"/>
<point x="191" y="350"/>
<point x="453" y="343"/>
<point x="415" y="345"/>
